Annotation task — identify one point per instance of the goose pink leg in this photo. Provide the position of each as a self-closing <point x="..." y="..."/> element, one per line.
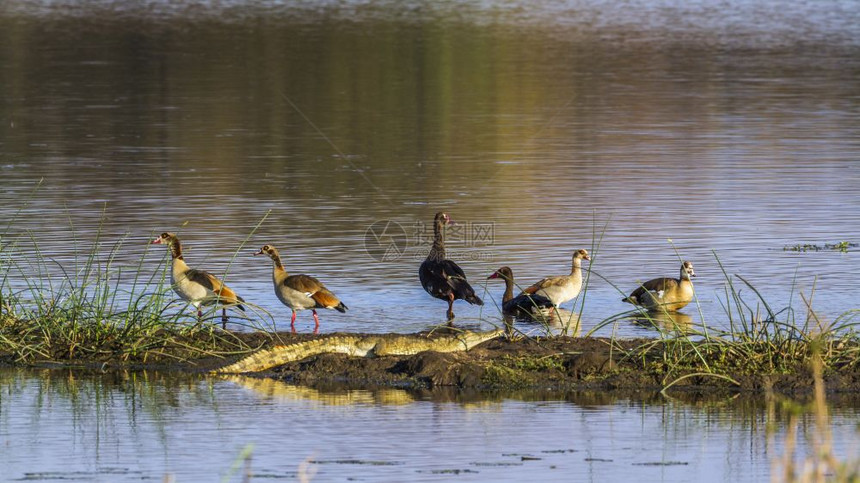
<point x="317" y="322"/>
<point x="293" y="323"/>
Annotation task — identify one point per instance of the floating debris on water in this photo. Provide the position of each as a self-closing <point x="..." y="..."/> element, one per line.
<point x="842" y="246"/>
<point x="453" y="471"/>
<point x="356" y="462"/>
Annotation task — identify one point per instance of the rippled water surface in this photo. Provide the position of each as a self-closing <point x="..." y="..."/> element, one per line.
<point x="729" y="128"/>
<point x="66" y="425"/>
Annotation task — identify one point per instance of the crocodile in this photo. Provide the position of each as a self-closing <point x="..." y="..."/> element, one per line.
<point x="357" y="346"/>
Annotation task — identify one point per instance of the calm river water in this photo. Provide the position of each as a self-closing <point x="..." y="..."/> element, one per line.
<point x="67" y="425"/>
<point x="636" y="128"/>
<point x="729" y="128"/>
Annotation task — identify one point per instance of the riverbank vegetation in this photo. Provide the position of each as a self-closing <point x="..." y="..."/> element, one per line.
<point x="91" y="310"/>
<point x="762" y="344"/>
<point x="760" y="340"/>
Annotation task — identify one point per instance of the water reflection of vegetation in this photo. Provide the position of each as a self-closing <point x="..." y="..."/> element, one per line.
<point x="147" y="395"/>
<point x="151" y="397"/>
<point x="822" y="463"/>
<point x="157" y="392"/>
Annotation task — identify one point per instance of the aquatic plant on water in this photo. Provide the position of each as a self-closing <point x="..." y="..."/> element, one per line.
<point x="841" y="246"/>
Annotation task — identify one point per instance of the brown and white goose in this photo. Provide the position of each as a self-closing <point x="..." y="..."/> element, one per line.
<point x="441" y="277"/>
<point x="562" y="288"/>
<point x="300" y="292"/>
<point x="523" y="304"/>
<point x="665" y="293"/>
<point x="196" y="286"/>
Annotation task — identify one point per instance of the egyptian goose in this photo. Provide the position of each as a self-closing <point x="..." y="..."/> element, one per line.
<point x="196" y="286"/>
<point x="441" y="277"/>
<point x="562" y="288"/>
<point x="522" y="304"/>
<point x="300" y="292"/>
<point x="665" y="293"/>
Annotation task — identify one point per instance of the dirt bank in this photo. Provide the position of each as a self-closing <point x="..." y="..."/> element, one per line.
<point x="558" y="363"/>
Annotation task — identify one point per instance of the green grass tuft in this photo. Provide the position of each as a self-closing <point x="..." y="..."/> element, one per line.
<point x="93" y="309"/>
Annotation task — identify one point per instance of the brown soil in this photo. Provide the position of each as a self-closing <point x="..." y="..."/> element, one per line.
<point x="558" y="363"/>
<point x="539" y="364"/>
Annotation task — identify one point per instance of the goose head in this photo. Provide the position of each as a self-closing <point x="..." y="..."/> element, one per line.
<point x="165" y="238"/>
<point x="269" y="251"/>
<point x="581" y="254"/>
<point x="687" y="270"/>
<point x="504" y="273"/>
<point x="442" y="219"/>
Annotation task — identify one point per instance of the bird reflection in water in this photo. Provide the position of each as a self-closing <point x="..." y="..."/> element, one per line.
<point x="545" y="322"/>
<point x="676" y="322"/>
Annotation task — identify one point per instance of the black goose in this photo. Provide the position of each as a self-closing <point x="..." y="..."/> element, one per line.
<point x="441" y="277"/>
<point x="523" y="304"/>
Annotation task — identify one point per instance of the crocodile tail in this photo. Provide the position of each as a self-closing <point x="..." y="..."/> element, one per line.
<point x="258" y="361"/>
<point x="282" y="354"/>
